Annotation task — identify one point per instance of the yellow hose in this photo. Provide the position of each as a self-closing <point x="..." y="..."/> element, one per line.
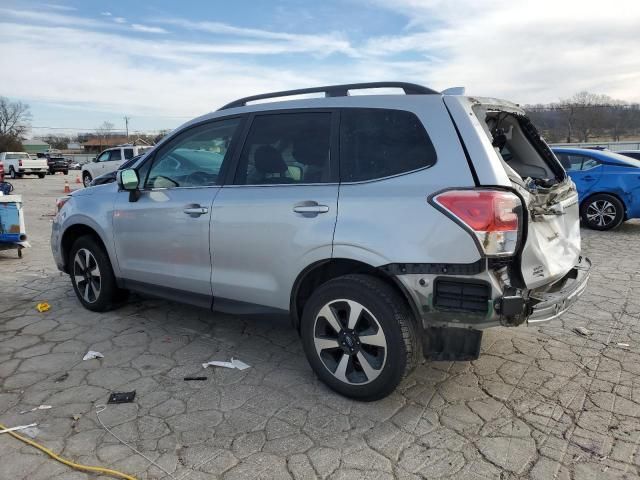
<point x="77" y="466"/>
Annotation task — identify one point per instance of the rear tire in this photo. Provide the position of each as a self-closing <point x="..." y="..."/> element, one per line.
<point x="86" y="179"/>
<point x="364" y="356"/>
<point x="91" y="275"/>
<point x="41" y="175"/>
<point x="66" y="172"/>
<point x="602" y="212"/>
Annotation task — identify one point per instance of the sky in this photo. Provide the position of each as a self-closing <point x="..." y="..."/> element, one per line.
<point x="80" y="63"/>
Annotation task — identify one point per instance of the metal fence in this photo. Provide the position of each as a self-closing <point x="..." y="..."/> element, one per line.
<point x="613" y="146"/>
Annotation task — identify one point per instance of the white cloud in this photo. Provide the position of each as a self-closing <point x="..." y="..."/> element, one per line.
<point x="147" y="29"/>
<point x="326" y="43"/>
<point x="119" y="19"/>
<point x="526" y="51"/>
<point x="502" y="48"/>
<point x="105" y="14"/>
<point x="64" y="8"/>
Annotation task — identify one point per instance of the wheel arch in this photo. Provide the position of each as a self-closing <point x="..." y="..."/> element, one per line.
<point x="322" y="271"/>
<point x="74" y="232"/>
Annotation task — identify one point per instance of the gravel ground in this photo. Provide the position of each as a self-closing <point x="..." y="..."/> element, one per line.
<point x="541" y="402"/>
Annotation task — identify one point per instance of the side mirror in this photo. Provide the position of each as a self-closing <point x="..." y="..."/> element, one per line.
<point x="128" y="180"/>
<point x="94" y="159"/>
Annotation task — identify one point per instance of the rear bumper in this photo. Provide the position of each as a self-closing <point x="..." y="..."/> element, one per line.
<point x="33" y="170"/>
<point x="553" y="303"/>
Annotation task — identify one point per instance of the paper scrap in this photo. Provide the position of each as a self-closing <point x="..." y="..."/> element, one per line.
<point x="234" y="363"/>
<point x="91" y="354"/>
<point x="240" y="365"/>
<point x="40" y="407"/>
<point x="20" y="427"/>
<point x="623" y="344"/>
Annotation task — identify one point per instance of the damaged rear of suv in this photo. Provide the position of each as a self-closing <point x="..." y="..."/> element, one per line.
<point x="389" y="227"/>
<point x="523" y="215"/>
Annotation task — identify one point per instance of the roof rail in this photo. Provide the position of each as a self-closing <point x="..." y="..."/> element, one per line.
<point x="336" y="91"/>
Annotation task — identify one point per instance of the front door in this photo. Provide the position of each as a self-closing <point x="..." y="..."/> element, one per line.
<point x="278" y="215"/>
<point x="162" y="239"/>
<point x="585" y="171"/>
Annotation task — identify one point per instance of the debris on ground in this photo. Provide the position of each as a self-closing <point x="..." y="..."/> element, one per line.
<point x="582" y="331"/>
<point x="19" y="427"/>
<point x="187" y="379"/>
<point x="91" y="354"/>
<point x="39" y="407"/>
<point x="122" y="397"/>
<point x="234" y="363"/>
<point x="61" y="378"/>
<point x="43" y="307"/>
<point x="625" y="345"/>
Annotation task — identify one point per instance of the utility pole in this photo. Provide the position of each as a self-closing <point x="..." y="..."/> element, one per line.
<point x="126" y="123"/>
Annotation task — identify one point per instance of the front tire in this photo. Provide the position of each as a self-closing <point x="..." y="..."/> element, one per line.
<point x="602" y="212"/>
<point x="86" y="179"/>
<point x="91" y="275"/>
<point x="12" y="173"/>
<point x="358" y="336"/>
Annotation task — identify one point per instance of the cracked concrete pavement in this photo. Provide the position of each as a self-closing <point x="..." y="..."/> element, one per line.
<point x="541" y="402"/>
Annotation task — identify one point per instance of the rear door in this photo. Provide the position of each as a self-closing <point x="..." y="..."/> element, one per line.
<point x="162" y="240"/>
<point x="278" y="214"/>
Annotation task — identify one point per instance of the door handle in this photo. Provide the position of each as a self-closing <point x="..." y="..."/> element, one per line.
<point x="310" y="208"/>
<point x="195" y="210"/>
<point x="588" y="178"/>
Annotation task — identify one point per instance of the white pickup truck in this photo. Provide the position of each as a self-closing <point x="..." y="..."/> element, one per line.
<point x="17" y="164"/>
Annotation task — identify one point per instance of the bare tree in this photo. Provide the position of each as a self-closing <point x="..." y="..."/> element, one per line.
<point x="14" y="118"/>
<point x="103" y="131"/>
<point x="14" y="123"/>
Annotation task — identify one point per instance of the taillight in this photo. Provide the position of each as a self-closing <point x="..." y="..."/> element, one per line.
<point x="493" y="216"/>
<point x="19" y="163"/>
<point x="60" y="201"/>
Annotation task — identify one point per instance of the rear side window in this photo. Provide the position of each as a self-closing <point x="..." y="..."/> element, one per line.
<point x="286" y="148"/>
<point x="128" y="153"/>
<point x="573" y="163"/>
<point x="115" y="156"/>
<point x="378" y="143"/>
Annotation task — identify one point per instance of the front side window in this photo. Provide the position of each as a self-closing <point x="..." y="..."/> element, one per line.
<point x="194" y="158"/>
<point x="104" y="156"/>
<point x="286" y="148"/>
<point x="589" y="163"/>
<point x="377" y="143"/>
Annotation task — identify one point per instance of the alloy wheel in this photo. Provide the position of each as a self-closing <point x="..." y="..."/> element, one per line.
<point x="86" y="274"/>
<point x="87" y="180"/>
<point x="350" y="342"/>
<point x="601" y="213"/>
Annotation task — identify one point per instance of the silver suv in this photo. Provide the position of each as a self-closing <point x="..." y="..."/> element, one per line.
<point x="388" y="227"/>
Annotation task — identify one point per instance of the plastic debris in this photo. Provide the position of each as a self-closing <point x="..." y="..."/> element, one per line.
<point x="20" y="427"/>
<point x="626" y="345"/>
<point x="43" y="307"/>
<point x="582" y="331"/>
<point x="234" y="363"/>
<point x="187" y="379"/>
<point x="122" y="397"/>
<point x="40" y="407"/>
<point x="91" y="354"/>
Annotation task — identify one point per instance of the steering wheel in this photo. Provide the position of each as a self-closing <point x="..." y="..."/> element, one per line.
<point x="200" y="178"/>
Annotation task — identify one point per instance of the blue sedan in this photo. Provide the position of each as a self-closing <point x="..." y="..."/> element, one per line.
<point x="608" y="185"/>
